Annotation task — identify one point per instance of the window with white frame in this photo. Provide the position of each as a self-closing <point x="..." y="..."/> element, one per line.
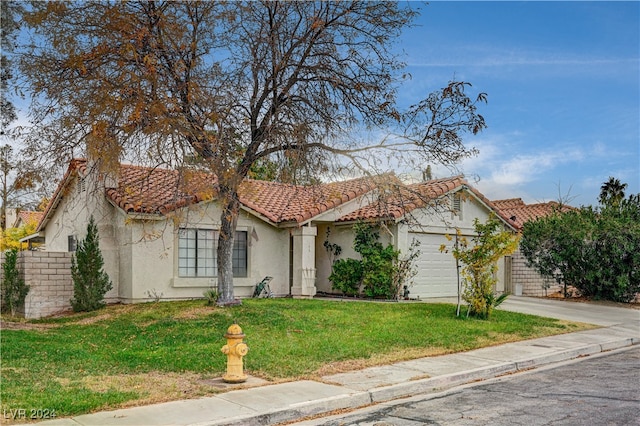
<point x="197" y="253"/>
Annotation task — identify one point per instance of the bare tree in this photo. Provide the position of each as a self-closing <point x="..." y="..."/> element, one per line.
<point x="234" y="84"/>
<point x="21" y="185"/>
<point x="8" y="29"/>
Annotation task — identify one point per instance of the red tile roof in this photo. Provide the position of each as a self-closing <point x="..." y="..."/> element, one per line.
<point x="510" y="202"/>
<point x="148" y="190"/>
<point x="290" y="203"/>
<point x="521" y="213"/>
<point x="159" y="191"/>
<point x="403" y="199"/>
<point x="28" y="216"/>
<point x="407" y="198"/>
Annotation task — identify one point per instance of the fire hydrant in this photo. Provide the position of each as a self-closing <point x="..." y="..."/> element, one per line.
<point x="235" y="349"/>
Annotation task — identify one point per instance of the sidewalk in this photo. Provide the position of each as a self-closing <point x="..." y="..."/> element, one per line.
<point x="272" y="404"/>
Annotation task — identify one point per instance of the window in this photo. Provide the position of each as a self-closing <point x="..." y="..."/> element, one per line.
<point x="72" y="243"/>
<point x="197" y="253"/>
<point x="240" y="254"/>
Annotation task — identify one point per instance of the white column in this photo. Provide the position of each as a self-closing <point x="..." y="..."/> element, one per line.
<point x="304" y="262"/>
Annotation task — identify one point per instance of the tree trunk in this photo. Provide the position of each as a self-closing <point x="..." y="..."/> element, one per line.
<point x="228" y="222"/>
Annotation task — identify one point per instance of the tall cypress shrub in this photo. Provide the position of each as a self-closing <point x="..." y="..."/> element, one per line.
<point x="14" y="289"/>
<point x="90" y="281"/>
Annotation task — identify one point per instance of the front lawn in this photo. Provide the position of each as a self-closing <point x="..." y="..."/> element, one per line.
<point x="127" y="355"/>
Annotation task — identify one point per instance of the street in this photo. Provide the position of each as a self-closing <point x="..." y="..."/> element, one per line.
<point x="599" y="390"/>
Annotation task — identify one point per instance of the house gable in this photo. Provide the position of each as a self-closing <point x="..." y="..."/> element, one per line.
<point x="438" y="195"/>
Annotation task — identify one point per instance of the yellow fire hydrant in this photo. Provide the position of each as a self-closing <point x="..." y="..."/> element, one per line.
<point x="235" y="349"/>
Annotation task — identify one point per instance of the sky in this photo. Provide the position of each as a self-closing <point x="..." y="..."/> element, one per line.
<point x="563" y="85"/>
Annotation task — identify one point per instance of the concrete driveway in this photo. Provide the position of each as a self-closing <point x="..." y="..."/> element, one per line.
<point x="590" y="313"/>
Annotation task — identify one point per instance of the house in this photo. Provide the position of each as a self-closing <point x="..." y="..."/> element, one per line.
<point x="16" y="218"/>
<point x="519" y="212"/>
<point x="24" y="217"/>
<point x="158" y="228"/>
<point x="526" y="280"/>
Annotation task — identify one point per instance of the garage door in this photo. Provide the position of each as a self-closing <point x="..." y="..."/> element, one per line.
<point x="436" y="271"/>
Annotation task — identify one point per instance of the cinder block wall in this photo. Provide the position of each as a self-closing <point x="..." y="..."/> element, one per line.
<point x="49" y="276"/>
<point x="532" y="283"/>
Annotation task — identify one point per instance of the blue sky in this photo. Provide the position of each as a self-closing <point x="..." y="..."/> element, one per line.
<point x="563" y="85"/>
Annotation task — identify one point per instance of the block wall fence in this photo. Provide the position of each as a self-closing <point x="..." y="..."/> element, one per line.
<point x="48" y="274"/>
<point x="527" y="280"/>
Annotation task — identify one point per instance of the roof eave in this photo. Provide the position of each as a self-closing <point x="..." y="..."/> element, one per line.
<point x="32" y="237"/>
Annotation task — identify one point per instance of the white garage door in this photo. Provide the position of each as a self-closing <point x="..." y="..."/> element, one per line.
<point x="436" y="271"/>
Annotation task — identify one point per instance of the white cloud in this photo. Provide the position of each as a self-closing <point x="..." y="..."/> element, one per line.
<point x="503" y="174"/>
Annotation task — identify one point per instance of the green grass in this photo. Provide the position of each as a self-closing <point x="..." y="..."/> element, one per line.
<point x="127" y="355"/>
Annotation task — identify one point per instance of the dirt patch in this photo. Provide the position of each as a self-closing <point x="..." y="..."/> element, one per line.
<point x="194" y="313"/>
<point x="16" y="325"/>
<point x="156" y="387"/>
<point x="92" y="320"/>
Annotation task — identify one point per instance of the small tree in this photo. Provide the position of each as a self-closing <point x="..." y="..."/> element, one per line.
<point x="90" y="282"/>
<point x="14" y="289"/>
<point x="10" y="237"/>
<point x="480" y="261"/>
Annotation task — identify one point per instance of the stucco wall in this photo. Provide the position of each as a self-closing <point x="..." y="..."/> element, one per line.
<point x="343" y="236"/>
<point x="81" y="200"/>
<point x="149" y="256"/>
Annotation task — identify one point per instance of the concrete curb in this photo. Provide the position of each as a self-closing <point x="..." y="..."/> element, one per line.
<point x="438" y="383"/>
<point x="361" y="399"/>
<point x="295" y="411"/>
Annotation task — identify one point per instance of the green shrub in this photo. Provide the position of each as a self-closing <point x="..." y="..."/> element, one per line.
<point x="594" y="250"/>
<point x="346" y="276"/>
<point x="90" y="281"/>
<point x="378" y="264"/>
<point x="211" y="297"/>
<point x="14" y="289"/>
<point x="380" y="273"/>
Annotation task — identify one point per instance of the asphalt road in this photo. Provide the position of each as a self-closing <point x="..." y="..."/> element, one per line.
<point x="598" y="390"/>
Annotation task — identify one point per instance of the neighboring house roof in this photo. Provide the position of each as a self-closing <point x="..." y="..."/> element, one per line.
<point x="520" y="212"/>
<point x="25" y="217"/>
<point x="410" y="197"/>
<point x="510" y="202"/>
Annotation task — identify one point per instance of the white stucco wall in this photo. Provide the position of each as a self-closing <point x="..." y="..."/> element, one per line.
<point x="343" y="236"/>
<point x="140" y="253"/>
<point x="154" y="256"/>
<point x="79" y="202"/>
